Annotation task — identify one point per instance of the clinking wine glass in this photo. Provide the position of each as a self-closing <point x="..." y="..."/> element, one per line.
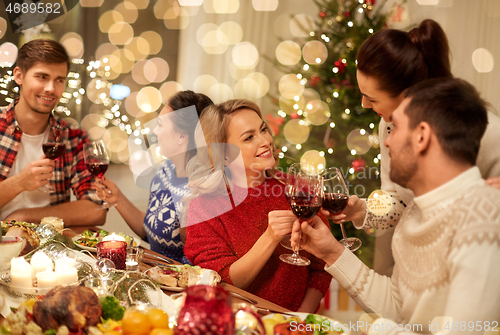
<point x="291" y="175"/>
<point x="305" y="200"/>
<point x="53" y="149"/>
<point x="97" y="162"/>
<point x="335" y="199"/>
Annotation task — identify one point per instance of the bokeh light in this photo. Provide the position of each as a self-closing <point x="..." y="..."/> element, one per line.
<point x="97" y="89"/>
<point x="139" y="4"/>
<point x="190" y="2"/>
<point x="281" y="27"/>
<point x="238" y="73"/>
<point x="90" y="121"/>
<point x="128" y="10"/>
<point x="232" y="31"/>
<point x="8" y="54"/>
<point x="263" y="82"/>
<point x="310" y="94"/>
<point x="245" y="55"/>
<point x="483" y="60"/>
<point x="295" y="132"/>
<point x="154" y="40"/>
<point x="169" y="89"/>
<point x="221" y="6"/>
<point x="126" y="59"/>
<point x="220" y="92"/>
<point x="156" y="70"/>
<point x="138" y="73"/>
<point x="359" y="141"/>
<point x="149" y="99"/>
<point x="290" y="86"/>
<point x="73" y="44"/>
<point x="108" y="19"/>
<point x="162" y="7"/>
<point x="318" y="112"/>
<point x="104" y="50"/>
<point x="3" y="27"/>
<point x="181" y="21"/>
<point x="301" y="25"/>
<point x="132" y="107"/>
<point x="204" y="83"/>
<point x="139" y="47"/>
<point x="265" y="5"/>
<point x="314" y="52"/>
<point x="120" y="33"/>
<point x="314" y="159"/>
<point x="288" y="53"/>
<point x="91" y="3"/>
<point x="212" y="39"/>
<point x="247" y="89"/>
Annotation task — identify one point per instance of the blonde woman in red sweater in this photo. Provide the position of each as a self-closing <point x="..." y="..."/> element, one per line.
<point x="236" y="219"/>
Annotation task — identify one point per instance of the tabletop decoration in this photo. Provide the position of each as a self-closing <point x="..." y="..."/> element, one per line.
<point x="10" y="247"/>
<point x="116" y="251"/>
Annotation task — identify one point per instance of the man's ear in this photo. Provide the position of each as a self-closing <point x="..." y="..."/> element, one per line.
<point x="422" y="136"/>
<point x="18" y="75"/>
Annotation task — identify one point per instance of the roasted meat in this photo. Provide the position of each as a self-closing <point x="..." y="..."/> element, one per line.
<point x="76" y="307"/>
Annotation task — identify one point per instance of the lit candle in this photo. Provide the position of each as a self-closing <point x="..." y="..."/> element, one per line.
<point x="65" y="262"/>
<point x="114" y="237"/>
<point x="131" y="266"/>
<point x="20" y="272"/>
<point x="116" y="251"/>
<point x="40" y="262"/>
<point x="46" y="279"/>
<point x="66" y="275"/>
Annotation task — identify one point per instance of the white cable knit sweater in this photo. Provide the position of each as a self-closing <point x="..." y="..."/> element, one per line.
<point x="447" y="253"/>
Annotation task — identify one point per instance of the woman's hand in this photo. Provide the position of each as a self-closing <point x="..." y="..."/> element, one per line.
<point x="280" y="224"/>
<point x="108" y="191"/>
<point x="494" y="182"/>
<point x="355" y="209"/>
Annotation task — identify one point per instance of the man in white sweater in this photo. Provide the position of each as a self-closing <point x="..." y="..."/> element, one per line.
<point x="447" y="244"/>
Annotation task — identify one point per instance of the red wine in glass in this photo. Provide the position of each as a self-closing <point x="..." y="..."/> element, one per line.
<point x="97" y="169"/>
<point x="335" y="202"/>
<point x="304" y="207"/>
<point x="53" y="150"/>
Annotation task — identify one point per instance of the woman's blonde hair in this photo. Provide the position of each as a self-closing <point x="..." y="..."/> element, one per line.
<point x="206" y="169"/>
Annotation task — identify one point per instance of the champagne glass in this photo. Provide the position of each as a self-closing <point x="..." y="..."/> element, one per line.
<point x="53" y="149"/>
<point x="335" y="198"/>
<point x="305" y="200"/>
<point x="97" y="162"/>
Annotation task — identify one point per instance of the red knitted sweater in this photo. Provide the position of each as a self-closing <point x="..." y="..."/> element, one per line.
<point x="218" y="242"/>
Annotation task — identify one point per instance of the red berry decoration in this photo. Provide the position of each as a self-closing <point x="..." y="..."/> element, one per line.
<point x="322" y="14"/>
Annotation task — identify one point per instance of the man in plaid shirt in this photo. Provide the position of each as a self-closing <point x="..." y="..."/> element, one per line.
<point x="42" y="67"/>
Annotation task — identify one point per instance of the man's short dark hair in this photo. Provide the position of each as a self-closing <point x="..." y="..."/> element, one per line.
<point x="43" y="51"/>
<point x="455" y="112"/>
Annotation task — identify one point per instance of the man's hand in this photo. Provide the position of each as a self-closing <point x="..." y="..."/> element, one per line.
<point x="355" y="209"/>
<point x="280" y="223"/>
<point x="317" y="239"/>
<point x="35" y="174"/>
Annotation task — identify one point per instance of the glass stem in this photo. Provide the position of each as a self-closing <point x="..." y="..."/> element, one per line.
<point x="297" y="248"/>
<point x="343" y="231"/>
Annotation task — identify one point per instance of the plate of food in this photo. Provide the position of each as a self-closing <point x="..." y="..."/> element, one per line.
<point x="302" y="323"/>
<point x="177" y="277"/>
<point x="89" y="239"/>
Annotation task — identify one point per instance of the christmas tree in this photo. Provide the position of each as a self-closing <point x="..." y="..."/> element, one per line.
<point x="320" y="116"/>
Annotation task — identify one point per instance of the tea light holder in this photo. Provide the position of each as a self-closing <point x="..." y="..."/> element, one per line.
<point x="102" y="287"/>
<point x="134" y="257"/>
<point x="115" y="251"/>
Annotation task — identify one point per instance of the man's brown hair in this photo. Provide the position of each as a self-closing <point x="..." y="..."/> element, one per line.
<point x="43" y="51"/>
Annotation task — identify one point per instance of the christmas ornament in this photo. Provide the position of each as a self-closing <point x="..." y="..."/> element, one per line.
<point x="358" y="164"/>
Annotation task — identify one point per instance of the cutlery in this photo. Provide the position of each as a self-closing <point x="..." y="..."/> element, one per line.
<point x="239" y="296"/>
<point x="262" y="309"/>
<point x="166" y="260"/>
<point x="157" y="263"/>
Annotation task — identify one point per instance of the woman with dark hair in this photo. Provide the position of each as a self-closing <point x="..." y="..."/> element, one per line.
<point x="388" y="63"/>
<point x="237" y="213"/>
<point x="160" y="223"/>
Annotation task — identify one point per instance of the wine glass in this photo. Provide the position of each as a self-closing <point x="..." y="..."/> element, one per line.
<point x="53" y="149"/>
<point x="291" y="175"/>
<point x="305" y="200"/>
<point x="97" y="162"/>
<point x="335" y="198"/>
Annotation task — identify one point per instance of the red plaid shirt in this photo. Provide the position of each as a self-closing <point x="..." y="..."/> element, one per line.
<point x="69" y="172"/>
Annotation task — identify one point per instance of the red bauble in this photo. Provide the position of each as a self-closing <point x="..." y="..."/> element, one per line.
<point x="347" y="14"/>
<point x="295" y="116"/>
<point x="358" y="164"/>
<point x="322" y="14"/>
<point x="370" y="2"/>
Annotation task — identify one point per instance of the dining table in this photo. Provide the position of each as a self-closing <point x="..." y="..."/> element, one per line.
<point x="150" y="257"/>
